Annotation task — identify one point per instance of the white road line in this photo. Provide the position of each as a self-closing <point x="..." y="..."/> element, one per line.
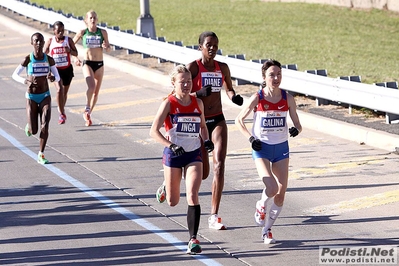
<point x="109" y="203"/>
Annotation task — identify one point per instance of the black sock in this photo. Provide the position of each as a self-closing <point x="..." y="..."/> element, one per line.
<point x="193" y="220"/>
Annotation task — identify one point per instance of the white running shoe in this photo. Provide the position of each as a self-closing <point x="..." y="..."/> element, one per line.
<point x="193" y="247"/>
<point x="268" y="237"/>
<point x="161" y="193"/>
<point x="260" y="213"/>
<point x="215" y="222"/>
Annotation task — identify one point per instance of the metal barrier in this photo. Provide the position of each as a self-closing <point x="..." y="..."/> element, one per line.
<point x="334" y="89"/>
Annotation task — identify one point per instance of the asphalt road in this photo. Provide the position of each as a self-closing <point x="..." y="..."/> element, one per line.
<point x="95" y="203"/>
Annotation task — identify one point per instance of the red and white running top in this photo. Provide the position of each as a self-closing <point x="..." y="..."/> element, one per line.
<point x="183" y="124"/>
<point x="57" y="51"/>
<point x="270" y="120"/>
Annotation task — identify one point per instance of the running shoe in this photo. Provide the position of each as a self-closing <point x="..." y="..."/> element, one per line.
<point x="260" y="213"/>
<point x="27" y="132"/>
<point x="161" y="194"/>
<point x="268" y="237"/>
<point x="61" y="119"/>
<point x="215" y="222"/>
<point x="87" y="118"/>
<point x="41" y="159"/>
<point x="193" y="247"/>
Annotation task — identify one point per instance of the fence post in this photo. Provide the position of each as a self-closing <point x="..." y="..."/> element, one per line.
<point x="145" y="23"/>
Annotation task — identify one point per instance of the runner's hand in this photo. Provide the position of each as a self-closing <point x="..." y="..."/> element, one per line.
<point x="293" y="132"/>
<point x="78" y="62"/>
<point x="177" y="150"/>
<point x="208" y="144"/>
<point x="204" y="91"/>
<point x="50" y="77"/>
<point x="255" y="143"/>
<point x="237" y="99"/>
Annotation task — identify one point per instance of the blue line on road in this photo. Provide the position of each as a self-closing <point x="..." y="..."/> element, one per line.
<point x="109" y="203"/>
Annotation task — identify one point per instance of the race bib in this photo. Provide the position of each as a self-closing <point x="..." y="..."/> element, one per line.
<point x="272" y="122"/>
<point x="188" y="126"/>
<point x="40" y="69"/>
<point x="61" y="60"/>
<point x="93" y="41"/>
<point x="214" y="79"/>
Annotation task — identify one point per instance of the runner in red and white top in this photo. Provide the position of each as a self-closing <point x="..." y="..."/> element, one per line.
<point x="61" y="48"/>
<point x="269" y="142"/>
<point x="182" y="115"/>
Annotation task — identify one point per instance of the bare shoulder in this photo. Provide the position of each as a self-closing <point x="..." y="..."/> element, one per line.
<point x="164" y="108"/>
<point x="199" y="101"/>
<point x="193" y="68"/>
<point x="81" y="33"/>
<point x="47" y="44"/>
<point x="254" y="95"/>
<point x="50" y="60"/>
<point x="26" y="60"/>
<point x="70" y="41"/>
<point x="224" y="67"/>
<point x="253" y="100"/>
<point x="289" y="96"/>
<point x="192" y="64"/>
<point x="222" y="64"/>
<point x="165" y="102"/>
<point x="291" y="100"/>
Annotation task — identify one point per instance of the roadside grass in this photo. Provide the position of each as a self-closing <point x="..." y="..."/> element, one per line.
<point x="342" y="40"/>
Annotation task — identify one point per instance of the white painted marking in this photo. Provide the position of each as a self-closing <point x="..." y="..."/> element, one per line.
<point x="109" y="203"/>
